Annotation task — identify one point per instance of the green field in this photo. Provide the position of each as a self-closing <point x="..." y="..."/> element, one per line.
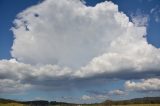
<point x="11" y="104"/>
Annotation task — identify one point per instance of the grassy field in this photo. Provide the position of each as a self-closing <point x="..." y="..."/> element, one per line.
<point x="16" y="104"/>
<point x="11" y="104"/>
<point x="123" y="105"/>
<point x="111" y="105"/>
<point x="140" y="105"/>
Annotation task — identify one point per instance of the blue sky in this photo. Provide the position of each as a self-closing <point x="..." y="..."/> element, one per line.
<point x="104" y="87"/>
<point x="9" y="9"/>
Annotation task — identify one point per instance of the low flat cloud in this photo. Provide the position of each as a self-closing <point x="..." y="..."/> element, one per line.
<point x="152" y="84"/>
<point x="95" y="97"/>
<point x="10" y="86"/>
<point x="65" y="42"/>
<point x="117" y="92"/>
<point x="107" y="93"/>
<point x="86" y="97"/>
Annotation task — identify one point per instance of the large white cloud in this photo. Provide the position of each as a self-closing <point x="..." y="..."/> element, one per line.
<point x="65" y="32"/>
<point x="64" y="41"/>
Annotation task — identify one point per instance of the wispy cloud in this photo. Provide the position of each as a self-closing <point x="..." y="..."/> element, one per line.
<point x="140" y="19"/>
<point x="156" y="13"/>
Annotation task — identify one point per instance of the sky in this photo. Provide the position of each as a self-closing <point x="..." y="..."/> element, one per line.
<point x="79" y="51"/>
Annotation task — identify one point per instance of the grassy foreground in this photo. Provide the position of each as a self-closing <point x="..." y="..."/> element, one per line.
<point x="123" y="105"/>
<point x="11" y="104"/>
<point x="18" y="104"/>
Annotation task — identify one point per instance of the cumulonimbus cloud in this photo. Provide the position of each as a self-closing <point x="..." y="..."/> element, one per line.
<point x="64" y="40"/>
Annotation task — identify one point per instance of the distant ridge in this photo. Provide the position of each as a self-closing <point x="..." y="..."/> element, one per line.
<point x="144" y="100"/>
<point x="2" y="100"/>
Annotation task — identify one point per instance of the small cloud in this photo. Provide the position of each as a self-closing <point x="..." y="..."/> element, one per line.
<point x="94" y="97"/>
<point x="106" y="94"/>
<point x="156" y="13"/>
<point x="117" y="92"/>
<point x="140" y="19"/>
<point x="152" y="10"/>
<point x="86" y="97"/>
<point x="39" y="98"/>
<point x="157" y="19"/>
<point x="66" y="97"/>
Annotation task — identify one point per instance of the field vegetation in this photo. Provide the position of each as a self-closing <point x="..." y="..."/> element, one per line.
<point x="19" y="104"/>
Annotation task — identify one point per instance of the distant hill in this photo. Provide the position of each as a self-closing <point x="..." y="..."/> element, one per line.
<point x="35" y="102"/>
<point x="145" y="100"/>
<point x="7" y="101"/>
